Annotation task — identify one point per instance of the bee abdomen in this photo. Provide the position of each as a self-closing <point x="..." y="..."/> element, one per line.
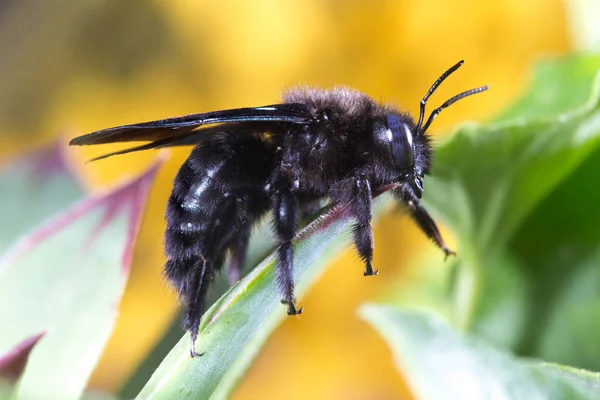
<point x="217" y="196"/>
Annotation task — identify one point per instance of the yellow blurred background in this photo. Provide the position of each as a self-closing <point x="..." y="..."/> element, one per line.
<point x="71" y="67"/>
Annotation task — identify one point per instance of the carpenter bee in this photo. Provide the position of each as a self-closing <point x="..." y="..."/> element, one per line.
<point x="316" y="144"/>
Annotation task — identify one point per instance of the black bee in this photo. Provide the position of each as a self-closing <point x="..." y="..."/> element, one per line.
<point x="337" y="144"/>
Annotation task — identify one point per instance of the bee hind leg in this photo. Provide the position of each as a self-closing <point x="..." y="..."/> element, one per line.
<point x="194" y="301"/>
<point x="194" y="270"/>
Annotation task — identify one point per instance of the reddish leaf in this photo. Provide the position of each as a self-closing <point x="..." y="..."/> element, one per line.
<point x="12" y="364"/>
<point x="67" y="278"/>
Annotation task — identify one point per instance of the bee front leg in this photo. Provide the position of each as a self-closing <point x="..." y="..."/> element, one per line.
<point x="420" y="215"/>
<point x="428" y="226"/>
<point x="286" y="222"/>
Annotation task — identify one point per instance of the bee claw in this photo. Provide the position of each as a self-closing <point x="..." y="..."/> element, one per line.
<point x="370" y="272"/>
<point x="448" y="253"/>
<point x="193" y="349"/>
<point x="292" y="310"/>
<point x="193" y="352"/>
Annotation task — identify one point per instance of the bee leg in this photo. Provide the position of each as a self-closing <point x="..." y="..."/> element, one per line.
<point x="190" y="278"/>
<point x="424" y="221"/>
<point x="428" y="226"/>
<point x="286" y="221"/>
<point x="238" y="256"/>
<point x="200" y="269"/>
<point x="194" y="301"/>
<point x="363" y="233"/>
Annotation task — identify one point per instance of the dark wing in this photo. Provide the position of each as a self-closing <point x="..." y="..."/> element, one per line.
<point x="196" y="135"/>
<point x="188" y="130"/>
<point x="295" y="113"/>
<point x="181" y="137"/>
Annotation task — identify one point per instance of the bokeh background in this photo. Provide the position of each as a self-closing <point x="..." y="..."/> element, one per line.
<point x="70" y="67"/>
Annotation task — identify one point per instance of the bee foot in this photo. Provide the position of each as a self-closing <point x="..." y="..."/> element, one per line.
<point x="193" y="352"/>
<point x="292" y="310"/>
<point x="448" y="253"/>
<point x="370" y="272"/>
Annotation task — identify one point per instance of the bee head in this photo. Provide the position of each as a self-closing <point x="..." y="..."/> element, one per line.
<point x="410" y="150"/>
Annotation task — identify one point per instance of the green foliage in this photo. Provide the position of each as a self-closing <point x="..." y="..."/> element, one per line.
<point x="439" y="363"/>
<point x="521" y="196"/>
<point x="489" y="178"/>
<point x="557" y="87"/>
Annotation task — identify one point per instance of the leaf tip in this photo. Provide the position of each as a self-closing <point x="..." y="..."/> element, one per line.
<point x="12" y="364"/>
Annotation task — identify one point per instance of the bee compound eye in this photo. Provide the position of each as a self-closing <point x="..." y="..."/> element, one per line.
<point x="401" y="142"/>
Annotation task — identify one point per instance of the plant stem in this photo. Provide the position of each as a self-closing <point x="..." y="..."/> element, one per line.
<point x="466" y="289"/>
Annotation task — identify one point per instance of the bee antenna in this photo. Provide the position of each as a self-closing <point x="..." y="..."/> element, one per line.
<point x="433" y="89"/>
<point x="451" y="101"/>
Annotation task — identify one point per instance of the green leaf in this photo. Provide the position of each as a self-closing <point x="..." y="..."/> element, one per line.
<point x="521" y="195"/>
<point x="237" y="325"/>
<point x="489" y="179"/>
<point x="572" y="321"/>
<point x="92" y="395"/>
<point x="425" y="284"/>
<point x="35" y="187"/>
<point x="558" y="86"/>
<point x="66" y="278"/>
<point x="559" y="245"/>
<point x="439" y="363"/>
<point x="506" y="298"/>
<point x="526" y="223"/>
